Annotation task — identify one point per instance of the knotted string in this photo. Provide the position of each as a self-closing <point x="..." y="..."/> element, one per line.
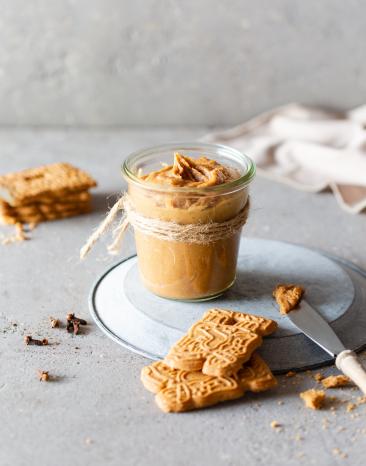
<point x="199" y="233"/>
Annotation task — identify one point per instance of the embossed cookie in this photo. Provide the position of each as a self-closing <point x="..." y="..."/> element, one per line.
<point x="219" y="343"/>
<point x="178" y="390"/>
<point x="288" y="297"/>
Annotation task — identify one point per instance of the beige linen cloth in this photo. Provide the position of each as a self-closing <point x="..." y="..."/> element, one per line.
<point x="308" y="148"/>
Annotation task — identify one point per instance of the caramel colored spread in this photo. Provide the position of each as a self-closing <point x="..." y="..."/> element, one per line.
<point x="190" y="173"/>
<point x="288" y="297"/>
<point x="182" y="270"/>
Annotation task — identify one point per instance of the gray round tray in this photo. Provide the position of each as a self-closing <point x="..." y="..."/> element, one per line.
<point x="149" y="325"/>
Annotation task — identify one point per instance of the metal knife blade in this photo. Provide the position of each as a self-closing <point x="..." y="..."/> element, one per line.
<point x="312" y="324"/>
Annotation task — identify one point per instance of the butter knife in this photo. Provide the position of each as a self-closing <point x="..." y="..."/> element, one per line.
<point x="312" y="324"/>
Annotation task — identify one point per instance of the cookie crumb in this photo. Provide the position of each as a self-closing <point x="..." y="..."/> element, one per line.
<point x="14" y="238"/>
<point x="6" y="240"/>
<point x="325" y="423"/>
<point x="276" y="425"/>
<point x="290" y="374"/>
<point x="280" y="403"/>
<point x="313" y="399"/>
<point x="350" y="407"/>
<point x="32" y="226"/>
<point x="335" y="381"/>
<point x="54" y="322"/>
<point x="20" y="235"/>
<point x="318" y="377"/>
<point x="340" y="453"/>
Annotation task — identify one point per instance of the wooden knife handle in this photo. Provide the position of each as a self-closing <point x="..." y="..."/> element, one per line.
<point x="350" y="365"/>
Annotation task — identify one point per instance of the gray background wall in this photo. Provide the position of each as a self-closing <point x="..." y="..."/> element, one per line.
<point x="175" y="62"/>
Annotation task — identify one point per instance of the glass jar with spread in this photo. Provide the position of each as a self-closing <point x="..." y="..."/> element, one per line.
<point x="192" y="188"/>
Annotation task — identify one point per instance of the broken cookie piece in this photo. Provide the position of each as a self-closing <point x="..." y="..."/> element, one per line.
<point x="288" y="297"/>
<point x="313" y="399"/>
<point x="335" y="381"/>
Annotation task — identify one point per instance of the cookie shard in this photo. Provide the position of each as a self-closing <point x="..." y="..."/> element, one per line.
<point x="288" y="297"/>
<point x="219" y="343"/>
<point x="178" y="390"/>
<point x="47" y="181"/>
<point x="335" y="381"/>
<point x="313" y="399"/>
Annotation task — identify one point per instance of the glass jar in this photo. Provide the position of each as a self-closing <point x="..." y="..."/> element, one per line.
<point x="175" y="269"/>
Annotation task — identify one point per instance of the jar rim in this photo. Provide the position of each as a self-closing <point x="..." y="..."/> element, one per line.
<point x="238" y="183"/>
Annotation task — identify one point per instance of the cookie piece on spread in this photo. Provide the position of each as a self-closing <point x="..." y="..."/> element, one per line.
<point x="219" y="343"/>
<point x="178" y="390"/>
<point x="288" y="297"/>
<point x="313" y="399"/>
<point x="335" y="381"/>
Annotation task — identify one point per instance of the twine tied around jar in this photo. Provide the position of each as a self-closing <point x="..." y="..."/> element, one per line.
<point x="199" y="233"/>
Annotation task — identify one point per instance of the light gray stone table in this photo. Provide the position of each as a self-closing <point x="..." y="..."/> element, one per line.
<point x="96" y="411"/>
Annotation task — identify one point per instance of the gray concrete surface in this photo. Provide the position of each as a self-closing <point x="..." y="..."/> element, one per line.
<point x="96" y="411"/>
<point x="173" y="62"/>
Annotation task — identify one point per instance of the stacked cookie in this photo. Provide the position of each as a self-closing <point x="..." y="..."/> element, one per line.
<point x="213" y="362"/>
<point x="45" y="193"/>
